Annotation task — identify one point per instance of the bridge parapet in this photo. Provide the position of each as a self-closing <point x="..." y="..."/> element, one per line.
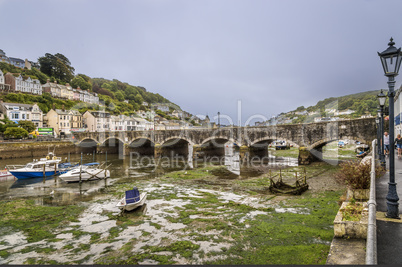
<point x="310" y="135"/>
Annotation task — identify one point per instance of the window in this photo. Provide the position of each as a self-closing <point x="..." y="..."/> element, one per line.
<point x="23" y="116"/>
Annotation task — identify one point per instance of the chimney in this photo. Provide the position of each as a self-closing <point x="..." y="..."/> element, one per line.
<point x="62" y="107"/>
<point x="54" y="107"/>
<point x="47" y="81"/>
<point x="55" y="81"/>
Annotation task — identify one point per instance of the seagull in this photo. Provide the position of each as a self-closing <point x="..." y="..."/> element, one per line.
<point x="185" y="173"/>
<point x="52" y="193"/>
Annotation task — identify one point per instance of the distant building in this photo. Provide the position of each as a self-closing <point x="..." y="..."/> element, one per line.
<point x="52" y="88"/>
<point x="3" y="57"/>
<point x="76" y="121"/>
<point x="18" y="84"/>
<point x="17" y="62"/>
<point x="162" y="107"/>
<point x="59" y="120"/>
<point x="3" y="85"/>
<point x="21" y="112"/>
<point x="97" y="121"/>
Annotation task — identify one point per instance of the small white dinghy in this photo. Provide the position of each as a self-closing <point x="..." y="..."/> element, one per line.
<point x="132" y="200"/>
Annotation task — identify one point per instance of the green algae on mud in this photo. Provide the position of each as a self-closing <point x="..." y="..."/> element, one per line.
<point x="270" y="237"/>
<point x="36" y="221"/>
<point x="223" y="225"/>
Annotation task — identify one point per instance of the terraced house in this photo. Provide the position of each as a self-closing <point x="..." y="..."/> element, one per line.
<point x="18" y="83"/>
<point x="3" y="86"/>
<point x="20" y="112"/>
<point x="97" y="121"/>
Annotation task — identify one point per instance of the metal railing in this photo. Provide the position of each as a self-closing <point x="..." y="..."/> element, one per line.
<point x="371" y="241"/>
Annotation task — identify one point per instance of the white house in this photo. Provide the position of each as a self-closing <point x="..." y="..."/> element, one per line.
<point x="97" y="121"/>
<point x="21" y="112"/>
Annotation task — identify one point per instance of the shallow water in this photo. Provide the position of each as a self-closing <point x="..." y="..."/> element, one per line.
<point x="53" y="191"/>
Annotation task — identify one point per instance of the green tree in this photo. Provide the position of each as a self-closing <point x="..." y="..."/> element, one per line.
<point x="29" y="126"/>
<point x="119" y="96"/>
<point x="79" y="81"/>
<point x="15" y="132"/>
<point x="138" y="99"/>
<point x="57" y="66"/>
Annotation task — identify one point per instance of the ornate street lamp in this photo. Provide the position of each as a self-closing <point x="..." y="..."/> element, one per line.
<point x="377" y="122"/>
<point x="391" y="61"/>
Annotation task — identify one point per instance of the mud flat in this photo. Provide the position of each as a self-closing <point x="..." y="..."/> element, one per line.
<point x="190" y="217"/>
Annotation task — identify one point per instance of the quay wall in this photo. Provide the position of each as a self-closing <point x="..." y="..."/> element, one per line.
<point x="11" y="150"/>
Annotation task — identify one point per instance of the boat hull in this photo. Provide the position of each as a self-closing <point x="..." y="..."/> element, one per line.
<point x="30" y="174"/>
<point x="67" y="177"/>
<point x="129" y="207"/>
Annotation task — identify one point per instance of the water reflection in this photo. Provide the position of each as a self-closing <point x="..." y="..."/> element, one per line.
<point x="232" y="159"/>
<point x="130" y="167"/>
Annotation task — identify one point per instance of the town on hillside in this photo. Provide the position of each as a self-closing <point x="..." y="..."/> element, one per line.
<point x="65" y="121"/>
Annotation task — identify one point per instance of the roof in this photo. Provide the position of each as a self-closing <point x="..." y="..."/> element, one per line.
<point x="16" y="59"/>
<point x="27" y="106"/>
<point x="62" y="112"/>
<point x="75" y="112"/>
<point x="100" y="114"/>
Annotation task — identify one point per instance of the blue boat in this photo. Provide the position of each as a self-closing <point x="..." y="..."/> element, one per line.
<point x="35" y="169"/>
<point x="47" y="166"/>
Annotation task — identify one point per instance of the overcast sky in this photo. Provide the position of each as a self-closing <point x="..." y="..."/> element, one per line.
<point x="271" y="56"/>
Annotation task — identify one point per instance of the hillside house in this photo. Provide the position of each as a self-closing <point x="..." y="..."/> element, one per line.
<point x="21" y="112"/>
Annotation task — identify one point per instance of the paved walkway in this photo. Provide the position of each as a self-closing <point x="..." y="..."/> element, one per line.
<point x="389" y="231"/>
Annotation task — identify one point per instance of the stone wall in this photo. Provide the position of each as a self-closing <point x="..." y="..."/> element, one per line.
<point x="36" y="149"/>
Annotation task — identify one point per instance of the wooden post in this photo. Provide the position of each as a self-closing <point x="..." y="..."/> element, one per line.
<point x="81" y="168"/>
<point x="44" y="172"/>
<point x="93" y="156"/>
<point x="55" y="171"/>
<point x="68" y="156"/>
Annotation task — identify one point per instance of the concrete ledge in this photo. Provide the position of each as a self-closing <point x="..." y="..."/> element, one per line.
<point x="347" y="251"/>
<point x="351" y="229"/>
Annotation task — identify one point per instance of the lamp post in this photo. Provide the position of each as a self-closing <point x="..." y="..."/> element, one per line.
<point x="391" y="61"/>
<point x="381" y="100"/>
<point x="219" y="120"/>
<point x="377" y="122"/>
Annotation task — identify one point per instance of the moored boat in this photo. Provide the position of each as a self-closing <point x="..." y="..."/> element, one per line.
<point x="43" y="167"/>
<point x="4" y="175"/>
<point x="132" y="200"/>
<point x="88" y="171"/>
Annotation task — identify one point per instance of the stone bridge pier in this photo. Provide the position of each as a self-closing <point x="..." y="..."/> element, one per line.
<point x="251" y="141"/>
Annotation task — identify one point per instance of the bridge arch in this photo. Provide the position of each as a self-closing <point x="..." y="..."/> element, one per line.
<point x="141" y="145"/>
<point x="173" y="139"/>
<point x="87" y="145"/>
<point x="87" y="140"/>
<point x="212" y="138"/>
<point x="319" y="144"/>
<point x="174" y="146"/>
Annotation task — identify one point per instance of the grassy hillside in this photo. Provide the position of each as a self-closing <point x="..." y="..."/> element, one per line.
<point x="364" y="103"/>
<point x="118" y="97"/>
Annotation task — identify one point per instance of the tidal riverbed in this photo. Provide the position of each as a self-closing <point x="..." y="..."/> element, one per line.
<point x="200" y="216"/>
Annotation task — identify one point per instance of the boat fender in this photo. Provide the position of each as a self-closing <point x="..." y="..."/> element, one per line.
<point x="54" y="157"/>
<point x="47" y="157"/>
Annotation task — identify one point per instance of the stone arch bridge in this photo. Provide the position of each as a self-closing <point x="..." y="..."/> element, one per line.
<point x="189" y="142"/>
